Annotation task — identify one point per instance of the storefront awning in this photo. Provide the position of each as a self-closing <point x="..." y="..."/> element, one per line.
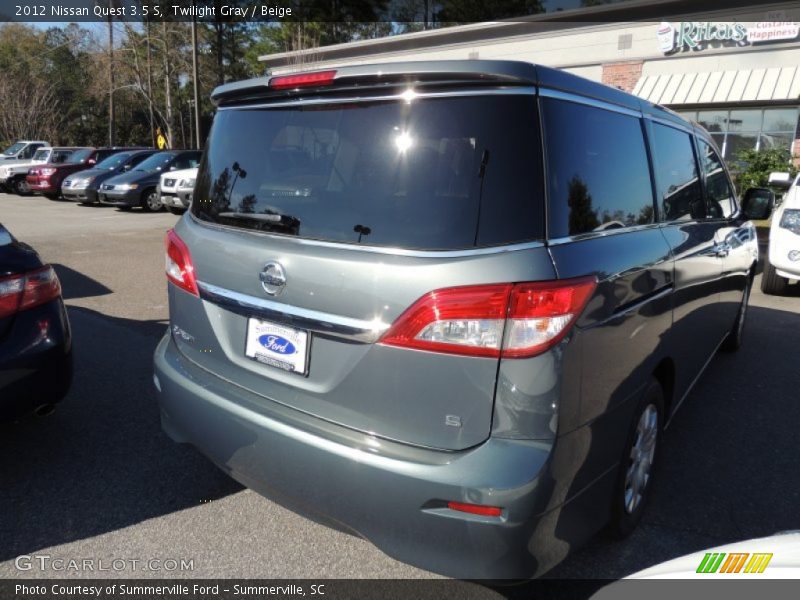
<point x="777" y="83"/>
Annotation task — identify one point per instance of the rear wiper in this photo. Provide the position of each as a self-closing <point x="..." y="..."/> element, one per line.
<point x="270" y="220"/>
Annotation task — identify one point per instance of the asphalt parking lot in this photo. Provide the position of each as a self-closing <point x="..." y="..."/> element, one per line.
<point x="97" y="479"/>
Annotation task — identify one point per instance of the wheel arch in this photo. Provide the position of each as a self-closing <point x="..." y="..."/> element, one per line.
<point x="664" y="373"/>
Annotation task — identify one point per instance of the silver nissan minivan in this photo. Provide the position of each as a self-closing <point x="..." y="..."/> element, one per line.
<point x="449" y="305"/>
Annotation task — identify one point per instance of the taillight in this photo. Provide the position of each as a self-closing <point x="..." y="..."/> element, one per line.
<point x="28" y="290"/>
<point x="283" y="82"/>
<point x="180" y="269"/>
<point x="508" y="320"/>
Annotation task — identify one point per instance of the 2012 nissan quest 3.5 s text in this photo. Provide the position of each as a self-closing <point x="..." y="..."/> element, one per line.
<point x="449" y="305"/>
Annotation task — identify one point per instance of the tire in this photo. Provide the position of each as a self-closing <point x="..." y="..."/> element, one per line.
<point x="630" y="499"/>
<point x="771" y="282"/>
<point x="734" y="340"/>
<point x="150" y="201"/>
<point x="176" y="211"/>
<point x="20" y="187"/>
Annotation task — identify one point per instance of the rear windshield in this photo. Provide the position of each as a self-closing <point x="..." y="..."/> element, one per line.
<point x="445" y="173"/>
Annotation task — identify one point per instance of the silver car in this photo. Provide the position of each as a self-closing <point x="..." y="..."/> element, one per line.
<point x="450" y="305"/>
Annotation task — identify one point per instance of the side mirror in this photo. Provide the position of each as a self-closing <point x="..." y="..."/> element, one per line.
<point x="757" y="203"/>
<point x="780" y="180"/>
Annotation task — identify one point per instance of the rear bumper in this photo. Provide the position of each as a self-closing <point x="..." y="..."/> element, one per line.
<point x="390" y="493"/>
<point x="35" y="360"/>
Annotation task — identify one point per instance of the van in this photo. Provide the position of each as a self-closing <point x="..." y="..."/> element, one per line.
<point x="449" y="305"/>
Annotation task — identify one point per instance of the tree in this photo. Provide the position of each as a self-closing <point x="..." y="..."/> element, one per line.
<point x="755" y="166"/>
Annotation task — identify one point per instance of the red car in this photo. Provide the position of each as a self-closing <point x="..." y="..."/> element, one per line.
<point x="47" y="179"/>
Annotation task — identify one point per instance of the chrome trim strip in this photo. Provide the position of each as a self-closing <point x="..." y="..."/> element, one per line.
<point x="503" y="90"/>
<point x="569" y="97"/>
<point x="686" y="127"/>
<point x="319" y="322"/>
<point x="591" y="235"/>
<point x="375" y="249"/>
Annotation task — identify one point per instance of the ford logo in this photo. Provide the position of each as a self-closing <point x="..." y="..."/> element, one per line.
<point x="273" y="278"/>
<point x="277" y="344"/>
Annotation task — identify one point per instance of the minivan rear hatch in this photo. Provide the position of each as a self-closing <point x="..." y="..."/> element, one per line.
<point x="315" y="225"/>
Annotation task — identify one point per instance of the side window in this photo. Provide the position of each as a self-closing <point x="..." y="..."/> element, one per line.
<point x="677" y="182"/>
<point x="598" y="174"/>
<point x="137" y="159"/>
<point x="719" y="192"/>
<point x="29" y="151"/>
<point x="187" y="162"/>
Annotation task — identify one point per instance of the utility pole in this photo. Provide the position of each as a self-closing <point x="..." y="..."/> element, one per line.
<point x="111" y="115"/>
<point x="150" y="87"/>
<point x="168" y="86"/>
<point x="198" y="138"/>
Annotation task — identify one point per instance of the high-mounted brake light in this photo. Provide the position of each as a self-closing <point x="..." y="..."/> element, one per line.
<point x="28" y="290"/>
<point x="476" y="509"/>
<point x="282" y="82"/>
<point x="508" y="320"/>
<point x="180" y="269"/>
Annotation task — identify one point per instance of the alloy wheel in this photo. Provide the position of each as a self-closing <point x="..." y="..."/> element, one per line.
<point x="642" y="454"/>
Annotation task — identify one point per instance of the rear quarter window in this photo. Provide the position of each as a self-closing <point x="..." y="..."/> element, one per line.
<point x="597" y="169"/>
<point x="436" y="174"/>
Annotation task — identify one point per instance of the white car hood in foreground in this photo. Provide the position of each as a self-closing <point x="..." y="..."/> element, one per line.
<point x="784" y="563"/>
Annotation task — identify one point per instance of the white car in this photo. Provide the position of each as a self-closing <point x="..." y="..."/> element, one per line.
<point x="21" y="151"/>
<point x="176" y="188"/>
<point x="782" y="263"/>
<point x="12" y="176"/>
<point x="773" y="557"/>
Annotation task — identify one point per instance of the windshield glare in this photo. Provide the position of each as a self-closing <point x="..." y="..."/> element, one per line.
<point x="80" y="155"/>
<point x="155" y="162"/>
<point x="41" y="154"/>
<point x="13" y="149"/>
<point x="113" y="161"/>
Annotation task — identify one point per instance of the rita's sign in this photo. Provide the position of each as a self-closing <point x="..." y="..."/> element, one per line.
<point x="694" y="35"/>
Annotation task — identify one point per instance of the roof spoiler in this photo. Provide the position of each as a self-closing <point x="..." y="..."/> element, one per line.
<point x="475" y="72"/>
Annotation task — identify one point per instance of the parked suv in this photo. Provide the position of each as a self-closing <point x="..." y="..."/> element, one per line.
<point x="450" y="305"/>
<point x="139" y="186"/>
<point x="175" y="190"/>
